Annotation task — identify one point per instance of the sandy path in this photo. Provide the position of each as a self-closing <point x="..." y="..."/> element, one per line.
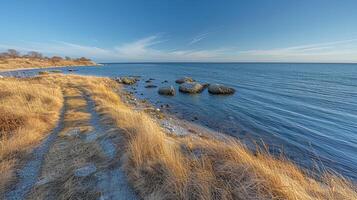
<point x="72" y="164"/>
<point x="111" y="182"/>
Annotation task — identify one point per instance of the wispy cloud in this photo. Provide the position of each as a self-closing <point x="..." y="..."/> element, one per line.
<point x="150" y="49"/>
<point x="309" y="49"/>
<point x="144" y="49"/>
<point x="139" y="48"/>
<point x="198" y="38"/>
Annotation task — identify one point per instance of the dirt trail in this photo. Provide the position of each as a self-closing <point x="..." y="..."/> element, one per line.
<point x="111" y="182"/>
<point x="78" y="160"/>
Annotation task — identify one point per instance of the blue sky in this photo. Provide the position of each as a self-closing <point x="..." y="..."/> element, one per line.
<point x="178" y="30"/>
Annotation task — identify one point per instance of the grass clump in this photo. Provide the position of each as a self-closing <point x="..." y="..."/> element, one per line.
<point x="29" y="109"/>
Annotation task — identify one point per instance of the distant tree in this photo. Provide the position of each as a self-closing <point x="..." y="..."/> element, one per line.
<point x="4" y="55"/>
<point x="56" y="59"/>
<point x="34" y="54"/>
<point x="13" y="53"/>
<point x="68" y="58"/>
<point x="83" y="59"/>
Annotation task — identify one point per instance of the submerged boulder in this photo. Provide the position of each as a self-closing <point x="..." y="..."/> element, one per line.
<point x="220" y="89"/>
<point x="150" y="86"/>
<point x="170" y="91"/>
<point x="185" y="80"/>
<point x="191" y="88"/>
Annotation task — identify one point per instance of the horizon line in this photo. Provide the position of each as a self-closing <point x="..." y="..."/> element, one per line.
<point x="228" y="62"/>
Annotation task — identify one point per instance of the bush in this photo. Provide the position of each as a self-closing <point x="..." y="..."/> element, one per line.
<point x="34" y="54"/>
<point x="56" y="59"/>
<point x="13" y="53"/>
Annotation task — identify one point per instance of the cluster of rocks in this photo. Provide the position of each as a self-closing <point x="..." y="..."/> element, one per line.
<point x="187" y="85"/>
<point x="127" y="80"/>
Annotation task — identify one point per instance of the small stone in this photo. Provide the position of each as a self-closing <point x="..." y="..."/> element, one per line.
<point x="43" y="181"/>
<point x="86" y="170"/>
<point x="73" y="132"/>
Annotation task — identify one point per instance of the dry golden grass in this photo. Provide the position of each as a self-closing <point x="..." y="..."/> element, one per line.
<point x="20" y="63"/>
<point x="28" y="111"/>
<point x="162" y="166"/>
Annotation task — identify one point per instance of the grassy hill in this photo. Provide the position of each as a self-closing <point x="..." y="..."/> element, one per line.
<point x="13" y="60"/>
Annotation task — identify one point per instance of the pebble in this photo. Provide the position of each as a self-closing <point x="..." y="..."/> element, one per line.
<point x="86" y="170"/>
<point x="73" y="132"/>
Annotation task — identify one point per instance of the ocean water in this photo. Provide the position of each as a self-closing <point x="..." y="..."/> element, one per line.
<point x="306" y="111"/>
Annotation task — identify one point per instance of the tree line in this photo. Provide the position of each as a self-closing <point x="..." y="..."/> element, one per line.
<point x="12" y="53"/>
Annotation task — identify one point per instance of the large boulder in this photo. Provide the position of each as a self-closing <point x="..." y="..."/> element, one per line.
<point x="220" y="89"/>
<point x="170" y="91"/>
<point x="127" y="80"/>
<point x="185" y="80"/>
<point x="191" y="88"/>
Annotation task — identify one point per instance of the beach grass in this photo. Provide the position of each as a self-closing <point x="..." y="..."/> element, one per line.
<point x="160" y="165"/>
<point x="29" y="109"/>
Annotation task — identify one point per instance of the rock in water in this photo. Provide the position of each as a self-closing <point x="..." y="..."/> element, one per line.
<point x="150" y="86"/>
<point x="220" y="89"/>
<point x="185" y="80"/>
<point x="170" y="91"/>
<point x="127" y="80"/>
<point x="191" y="88"/>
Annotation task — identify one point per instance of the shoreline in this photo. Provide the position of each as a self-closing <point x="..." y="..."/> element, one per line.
<point x="168" y="121"/>
<point x="35" y="68"/>
<point x="181" y="127"/>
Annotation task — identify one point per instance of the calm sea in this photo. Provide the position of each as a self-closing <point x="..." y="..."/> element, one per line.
<point x="307" y="111"/>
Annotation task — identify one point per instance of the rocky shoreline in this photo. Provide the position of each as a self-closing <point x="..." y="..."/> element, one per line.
<point x="169" y="122"/>
<point x="186" y="85"/>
